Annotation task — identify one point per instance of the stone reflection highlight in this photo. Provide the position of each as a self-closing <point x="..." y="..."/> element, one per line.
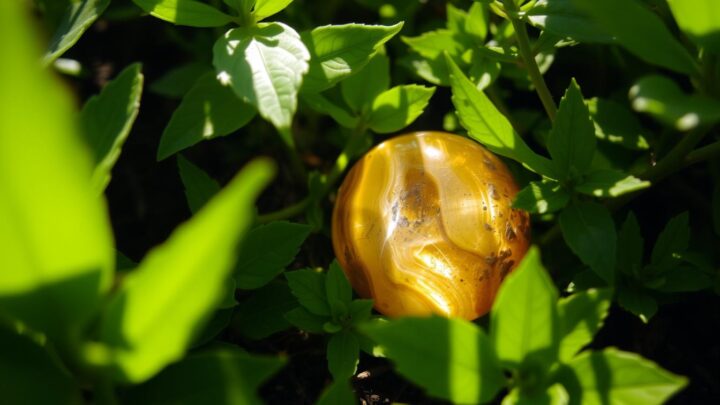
<point x="423" y="224"/>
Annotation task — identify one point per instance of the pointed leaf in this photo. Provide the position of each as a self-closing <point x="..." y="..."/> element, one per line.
<point x="199" y="186"/>
<point x="589" y="231"/>
<point x="264" y="65"/>
<point x="673" y="240"/>
<point x="564" y="19"/>
<point x="394" y="109"/>
<point x="630" y="246"/>
<point x="57" y="251"/>
<point x="488" y="126"/>
<point x="609" y="183"/>
<point x="267" y="251"/>
<point x="638" y="302"/>
<point x="339" y="392"/>
<point x="451" y="358"/>
<point x="322" y="104"/>
<point x="208" y="110"/>
<point x="581" y="316"/>
<point x="524" y="319"/>
<point x="343" y="350"/>
<point x="360" y="90"/>
<point x="263" y="313"/>
<point x="107" y="118"/>
<point x="616" y="377"/>
<point x="265" y="8"/>
<point x="78" y="17"/>
<point x="309" y="288"/>
<point x="338" y="51"/>
<point x="616" y="124"/>
<point x="151" y="320"/>
<point x="542" y="197"/>
<point x="338" y="290"/>
<point x="192" y="13"/>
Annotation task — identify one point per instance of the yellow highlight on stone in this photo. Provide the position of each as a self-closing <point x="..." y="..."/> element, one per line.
<point x="423" y="224"/>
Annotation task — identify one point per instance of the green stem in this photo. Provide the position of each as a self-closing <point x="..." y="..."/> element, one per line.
<point x="341" y="164"/>
<point x="296" y="164"/>
<point x="702" y="154"/>
<point x="675" y="159"/>
<point x="523" y="41"/>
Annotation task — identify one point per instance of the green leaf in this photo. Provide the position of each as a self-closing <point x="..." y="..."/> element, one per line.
<point x="303" y="319"/>
<point x="433" y="44"/>
<point x="78" y="17"/>
<point x="552" y="395"/>
<point x="107" y="118"/>
<point x="488" y="126"/>
<point x="339" y="392"/>
<point x="641" y="32"/>
<point x="338" y="290"/>
<point x="199" y="186"/>
<point x="664" y="100"/>
<point x="524" y="319"/>
<point x="264" y="65"/>
<point x="176" y="82"/>
<point x="185" y="12"/>
<point x="451" y="358"/>
<point x="265" y="8"/>
<point x="637" y="302"/>
<point x="150" y="321"/>
<point x="360" y="310"/>
<point x="338" y="51"/>
<point x="267" y="250"/>
<point x="571" y="141"/>
<point x="630" y="246"/>
<point x="219" y="376"/>
<point x="360" y="90"/>
<point x="23" y="365"/>
<point x="699" y="20"/>
<point x="609" y="183"/>
<point x="476" y="24"/>
<point x="581" y="316"/>
<point x="616" y="377"/>
<point x="57" y="251"/>
<point x="673" y="241"/>
<point x="542" y="197"/>
<point x="322" y="104"/>
<point x="309" y="288"/>
<point x="208" y="110"/>
<point x="563" y="18"/>
<point x="219" y="320"/>
<point x="263" y="313"/>
<point x="343" y="351"/>
<point x="684" y="277"/>
<point x="616" y="124"/>
<point x="589" y="231"/>
<point x="394" y="109"/>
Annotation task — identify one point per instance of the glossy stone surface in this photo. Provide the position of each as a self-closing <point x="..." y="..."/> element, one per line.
<point x="423" y="224"/>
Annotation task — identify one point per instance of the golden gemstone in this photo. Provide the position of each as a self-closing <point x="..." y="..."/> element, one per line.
<point x="423" y="224"/>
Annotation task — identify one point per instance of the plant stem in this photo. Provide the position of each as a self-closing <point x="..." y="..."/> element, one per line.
<point x="674" y="160"/>
<point x="705" y="153"/>
<point x="285" y="213"/>
<point x="523" y="41"/>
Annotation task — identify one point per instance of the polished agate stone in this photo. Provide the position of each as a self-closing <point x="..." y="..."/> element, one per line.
<point x="423" y="224"/>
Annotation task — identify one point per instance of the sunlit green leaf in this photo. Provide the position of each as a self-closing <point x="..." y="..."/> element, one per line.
<point x="488" y="126"/>
<point x="360" y="90"/>
<point x="265" y="8"/>
<point x="563" y="18"/>
<point x="451" y="358"/>
<point x="394" y="109"/>
<point x="338" y="51"/>
<point x="542" y="197"/>
<point x="264" y="65"/>
<point x="616" y="377"/>
<point x="699" y="20"/>
<point x="107" y="118"/>
<point x="160" y="306"/>
<point x="616" y="124"/>
<point x="524" y="319"/>
<point x="78" y="17"/>
<point x="581" y="316"/>
<point x="207" y="110"/>
<point x="609" y="183"/>
<point x="57" y="251"/>
<point x="185" y="12"/>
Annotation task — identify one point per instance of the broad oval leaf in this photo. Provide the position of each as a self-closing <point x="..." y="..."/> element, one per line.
<point x="563" y="18"/>
<point x="185" y="12"/>
<point x="152" y="319"/>
<point x="614" y="377"/>
<point x="451" y="358"/>
<point x="207" y="111"/>
<point x="55" y="234"/>
<point x="264" y="65"/>
<point x="699" y="20"/>
<point x="394" y="109"/>
<point x="107" y="119"/>
<point x="338" y="51"/>
<point x="267" y="250"/>
<point x="589" y="231"/>
<point x="524" y="320"/>
<point x="581" y="316"/>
